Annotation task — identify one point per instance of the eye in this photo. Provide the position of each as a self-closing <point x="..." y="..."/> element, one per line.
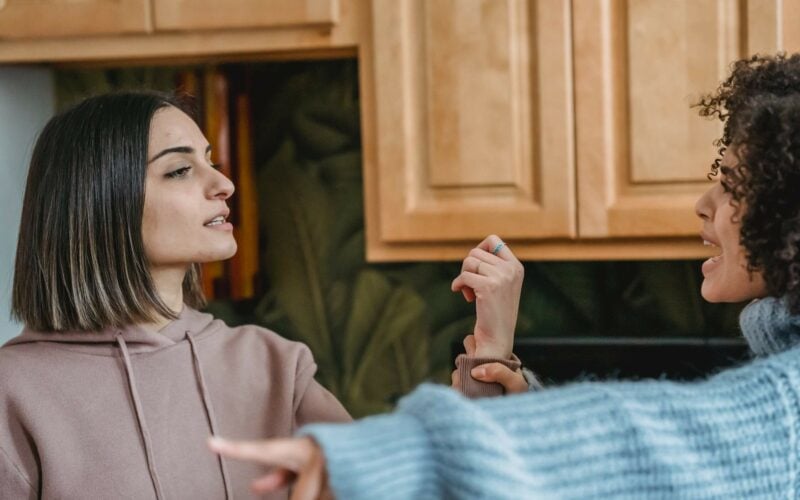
<point x="181" y="172"/>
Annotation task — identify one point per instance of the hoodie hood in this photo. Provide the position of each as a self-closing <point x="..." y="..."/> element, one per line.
<point x="137" y="338"/>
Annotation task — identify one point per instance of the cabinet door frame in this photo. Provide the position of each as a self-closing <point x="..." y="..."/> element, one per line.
<point x="612" y="201"/>
<point x="64" y="18"/>
<point x="187" y="15"/>
<point x="407" y="207"/>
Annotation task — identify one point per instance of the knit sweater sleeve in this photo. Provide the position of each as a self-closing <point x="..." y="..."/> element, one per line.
<point x="732" y="436"/>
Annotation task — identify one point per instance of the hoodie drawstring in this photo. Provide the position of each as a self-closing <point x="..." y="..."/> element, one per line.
<point x="198" y="368"/>
<point x="145" y="434"/>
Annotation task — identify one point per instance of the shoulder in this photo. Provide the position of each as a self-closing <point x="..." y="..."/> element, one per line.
<point x="17" y="361"/>
<point x="785" y="366"/>
<point x="257" y="339"/>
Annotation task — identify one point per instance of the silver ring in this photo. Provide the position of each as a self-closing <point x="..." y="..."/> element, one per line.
<point x="498" y="248"/>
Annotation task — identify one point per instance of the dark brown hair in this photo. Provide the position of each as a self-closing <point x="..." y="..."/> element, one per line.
<point x="760" y="104"/>
<point x="81" y="263"/>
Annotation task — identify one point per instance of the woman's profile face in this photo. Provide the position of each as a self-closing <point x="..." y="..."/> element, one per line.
<point x="185" y="209"/>
<point x="725" y="276"/>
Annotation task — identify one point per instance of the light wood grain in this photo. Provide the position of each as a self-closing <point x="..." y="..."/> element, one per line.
<point x="473" y="120"/>
<point x="643" y="153"/>
<point x="212" y="45"/>
<point x="560" y="250"/>
<point x="530" y="119"/>
<point x="214" y="14"/>
<point x="64" y="18"/>
<point x="676" y="52"/>
<point x="790" y="22"/>
<point x="764" y="26"/>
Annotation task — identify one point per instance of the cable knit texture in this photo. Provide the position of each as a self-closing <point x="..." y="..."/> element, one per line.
<point x="731" y="436"/>
<point x="768" y="326"/>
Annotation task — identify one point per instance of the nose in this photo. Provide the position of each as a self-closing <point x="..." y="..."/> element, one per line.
<point x="703" y="207"/>
<point x="220" y="186"/>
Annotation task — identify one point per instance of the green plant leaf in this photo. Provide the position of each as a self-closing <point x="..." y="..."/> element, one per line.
<point x="296" y="215"/>
<point x="381" y="315"/>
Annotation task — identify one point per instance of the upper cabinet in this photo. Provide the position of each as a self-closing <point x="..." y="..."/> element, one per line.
<point x="473" y="120"/>
<point x="59" y="18"/>
<point x="213" y="14"/>
<point x="643" y="152"/>
<point x="67" y="18"/>
<point x="565" y="126"/>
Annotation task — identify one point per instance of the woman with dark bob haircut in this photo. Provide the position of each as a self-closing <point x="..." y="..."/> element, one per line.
<point x="734" y="435"/>
<point x="117" y="380"/>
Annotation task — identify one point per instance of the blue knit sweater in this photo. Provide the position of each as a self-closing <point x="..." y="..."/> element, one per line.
<point x="734" y="435"/>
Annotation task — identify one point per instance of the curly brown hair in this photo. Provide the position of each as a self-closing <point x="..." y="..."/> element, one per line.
<point x="760" y="105"/>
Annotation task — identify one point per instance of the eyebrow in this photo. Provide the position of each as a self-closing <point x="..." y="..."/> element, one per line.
<point x="177" y="149"/>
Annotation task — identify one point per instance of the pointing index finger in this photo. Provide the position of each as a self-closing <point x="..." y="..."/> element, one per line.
<point x="287" y="453"/>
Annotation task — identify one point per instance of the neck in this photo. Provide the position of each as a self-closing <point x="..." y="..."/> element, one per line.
<point x="169" y="285"/>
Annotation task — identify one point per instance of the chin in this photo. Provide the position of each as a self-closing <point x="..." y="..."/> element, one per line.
<point x="217" y="254"/>
<point x="716" y="296"/>
<point x="710" y="296"/>
<point x="225" y="254"/>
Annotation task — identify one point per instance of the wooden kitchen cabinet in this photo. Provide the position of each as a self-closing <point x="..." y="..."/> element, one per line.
<point x="565" y="126"/>
<point x="68" y="18"/>
<point x="65" y="18"/>
<point x="643" y="153"/>
<point x="473" y="120"/>
<point x="213" y="14"/>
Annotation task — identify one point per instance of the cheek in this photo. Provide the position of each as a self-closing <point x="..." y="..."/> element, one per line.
<point x="735" y="283"/>
<point x="750" y="284"/>
<point x="152" y="232"/>
<point x="163" y="230"/>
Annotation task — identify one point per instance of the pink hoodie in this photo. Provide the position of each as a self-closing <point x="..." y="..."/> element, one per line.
<point x="125" y="413"/>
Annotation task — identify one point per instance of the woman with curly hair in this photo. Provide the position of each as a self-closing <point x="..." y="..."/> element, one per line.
<point x="734" y="435"/>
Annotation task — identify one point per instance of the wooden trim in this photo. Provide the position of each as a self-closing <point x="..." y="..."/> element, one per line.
<point x="218" y="59"/>
<point x="613" y="202"/>
<point x="199" y="45"/>
<point x="437" y="185"/>
<point x="30" y="20"/>
<point x="623" y="249"/>
<point x="184" y="15"/>
<point x="791" y="26"/>
<point x="366" y="85"/>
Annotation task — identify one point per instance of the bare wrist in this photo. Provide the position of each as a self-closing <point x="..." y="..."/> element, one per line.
<point x="492" y="351"/>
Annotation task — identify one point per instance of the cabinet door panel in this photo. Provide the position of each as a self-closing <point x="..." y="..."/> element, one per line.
<point x="474" y="124"/>
<point x="57" y="18"/>
<point x="213" y="14"/>
<point x="643" y="152"/>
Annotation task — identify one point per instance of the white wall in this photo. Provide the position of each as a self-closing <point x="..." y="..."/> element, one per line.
<point x="27" y="100"/>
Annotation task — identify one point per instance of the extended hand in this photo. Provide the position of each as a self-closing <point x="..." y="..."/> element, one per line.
<point x="494" y="282"/>
<point x="293" y="459"/>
